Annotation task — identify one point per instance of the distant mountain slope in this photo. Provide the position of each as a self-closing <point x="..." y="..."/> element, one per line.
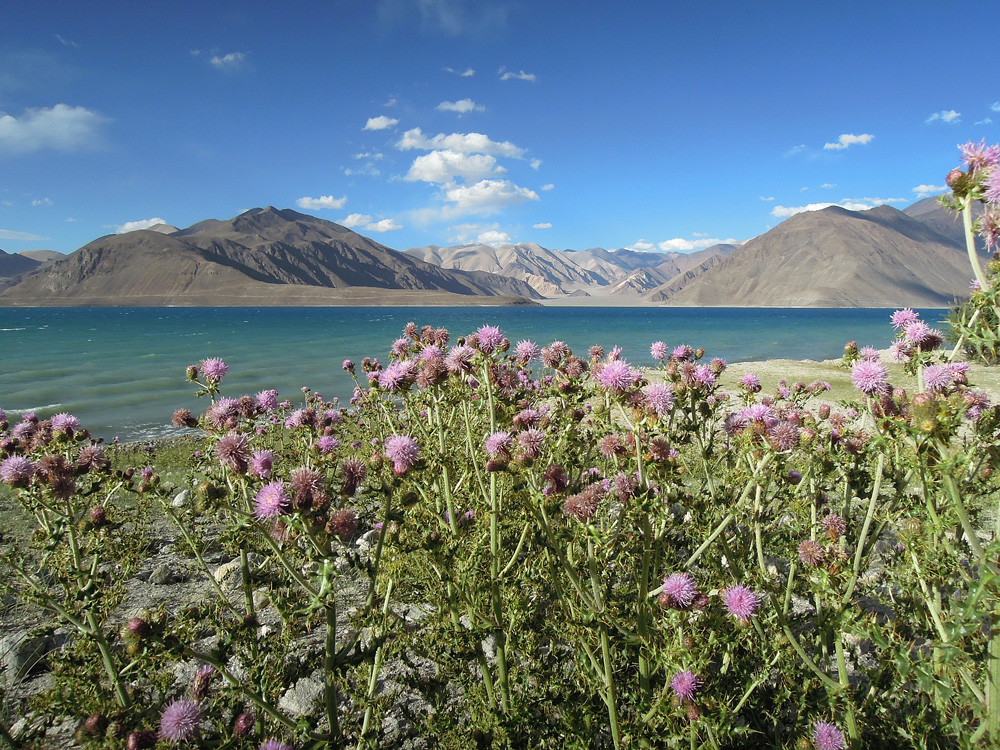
<point x="557" y="273"/>
<point x="943" y="220"/>
<point x="14" y="264"/>
<point x="264" y="256"/>
<point x="836" y="258"/>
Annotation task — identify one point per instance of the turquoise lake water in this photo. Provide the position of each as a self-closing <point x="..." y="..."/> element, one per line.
<point x="121" y="370"/>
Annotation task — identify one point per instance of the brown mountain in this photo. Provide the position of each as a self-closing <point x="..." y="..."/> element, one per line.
<point x="261" y="257"/>
<point x="943" y="220"/>
<point x="14" y="264"/>
<point x="836" y="258"/>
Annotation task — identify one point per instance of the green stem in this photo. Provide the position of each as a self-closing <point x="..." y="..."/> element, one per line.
<point x="331" y="670"/>
<point x="610" y="697"/>
<point x="862" y="540"/>
<point x="970" y="244"/>
<point x="852" y="725"/>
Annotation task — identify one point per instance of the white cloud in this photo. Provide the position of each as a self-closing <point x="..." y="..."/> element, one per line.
<point x="385" y="225"/>
<point x="947" y="115"/>
<point x="786" y="211"/>
<point x="923" y="191"/>
<point x="467" y="73"/>
<point x="641" y="246"/>
<point x="535" y="164"/>
<point x="493" y="237"/>
<point x="6" y="234"/>
<point x="325" y="201"/>
<point x="681" y="245"/>
<point x="995" y="106"/>
<point x="984" y="121"/>
<point x="356" y="220"/>
<point x="462" y="106"/>
<point x="849" y="139"/>
<point x="368" y="155"/>
<point x="132" y="226"/>
<point x="443" y="166"/>
<point x="828" y="185"/>
<point x="380" y="123"/>
<point x="485" y="197"/>
<point x="548" y="187"/>
<point x="506" y="75"/>
<point x="232" y="61"/>
<point x="542" y="225"/>
<point x="466" y="143"/>
<point x="796" y="150"/>
<point x="62" y="127"/>
<point x="365" y="222"/>
<point x="769" y="198"/>
<point x="42" y="202"/>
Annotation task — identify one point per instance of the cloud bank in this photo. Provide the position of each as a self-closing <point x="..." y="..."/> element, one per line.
<point x="62" y="128"/>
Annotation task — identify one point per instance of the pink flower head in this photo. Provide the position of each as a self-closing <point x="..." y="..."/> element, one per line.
<point x="261" y="463"/>
<point x="870" y="377"/>
<point x="902" y="318"/>
<point x="616" y="376"/>
<point x="750" y="382"/>
<point x="682" y="353"/>
<point x="268" y="400"/>
<point x="180" y="721"/>
<point x="65" y="424"/>
<point x="740" y="602"/>
<point x="658" y="350"/>
<point x="498" y="445"/>
<point x="327" y="444"/>
<point x="490" y="339"/>
<point x="979" y="156"/>
<point x="272" y="500"/>
<point x="213" y="369"/>
<point x="400" y="347"/>
<point x="530" y="443"/>
<point x="937" y="378"/>
<point x="869" y="352"/>
<point x="992" y="186"/>
<point x="660" y="398"/>
<point x="233" y="451"/>
<point x="684" y="685"/>
<point x="17" y="470"/>
<point x="989" y="229"/>
<point x="459" y="359"/>
<point x="526" y="352"/>
<point x="679" y="590"/>
<point x="826" y="736"/>
<point x="403" y="451"/>
<point x="273" y="744"/>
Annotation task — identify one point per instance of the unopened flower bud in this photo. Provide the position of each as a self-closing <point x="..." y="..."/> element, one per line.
<point x="138" y="627"/>
<point x="140" y="740"/>
<point x="192" y="372"/>
<point x="955" y="179"/>
<point x="98" y="515"/>
<point x="244" y="724"/>
<point x="96" y="725"/>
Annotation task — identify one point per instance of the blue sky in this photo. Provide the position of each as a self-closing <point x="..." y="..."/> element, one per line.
<point x="652" y="125"/>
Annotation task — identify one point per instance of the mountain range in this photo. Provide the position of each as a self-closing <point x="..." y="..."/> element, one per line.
<point x="833" y="257"/>
<point x="261" y="257"/>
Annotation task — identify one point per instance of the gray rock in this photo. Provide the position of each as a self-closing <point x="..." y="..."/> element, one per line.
<point x="181" y="499"/>
<point x="162" y="575"/>
<point x="21" y="654"/>
<point x="301" y="699"/>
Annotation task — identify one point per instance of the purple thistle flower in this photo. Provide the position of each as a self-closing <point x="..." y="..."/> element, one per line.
<point x="261" y="463"/>
<point x="902" y="318"/>
<point x="400" y="347"/>
<point x="869" y="352"/>
<point x="682" y="353"/>
<point x="811" y="553"/>
<point x="327" y="444"/>
<point x="490" y="339"/>
<point x="24" y="431"/>
<point x="684" y="685"/>
<point x="871" y="377"/>
<point x="17" y="470"/>
<point x="992" y="187"/>
<point x="271" y="501"/>
<point x="224" y="413"/>
<point x="679" y="590"/>
<point x="273" y="744"/>
<point x="937" y="378"/>
<point x="459" y="359"/>
<point x="826" y="736"/>
<point x="65" y="423"/>
<point x="917" y="332"/>
<point x="530" y="442"/>
<point x="616" y="376"/>
<point x="989" y="229"/>
<point x="403" y="451"/>
<point x="147" y="473"/>
<point x="660" y="398"/>
<point x="784" y="436"/>
<point x="431" y="351"/>
<point x="180" y="721"/>
<point x="526" y="352"/>
<point x="900" y="351"/>
<point x="298" y="418"/>
<point x="760" y="414"/>
<point x="213" y="369"/>
<point x="740" y="602"/>
<point x="268" y="400"/>
<point x="658" y="351"/>
<point x="979" y="156"/>
<point x="703" y="376"/>
<point x="398" y="375"/>
<point x="233" y="451"/>
<point x="498" y="445"/>
<point x="750" y="382"/>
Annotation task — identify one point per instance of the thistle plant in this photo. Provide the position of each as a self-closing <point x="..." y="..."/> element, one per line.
<point x="585" y="553"/>
<point x="975" y="324"/>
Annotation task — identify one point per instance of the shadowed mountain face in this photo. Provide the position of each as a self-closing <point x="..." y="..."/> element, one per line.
<point x="836" y="258"/>
<point x="262" y="257"/>
<point x="15" y="264"/>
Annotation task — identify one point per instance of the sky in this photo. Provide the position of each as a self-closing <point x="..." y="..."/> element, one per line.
<point x="660" y="125"/>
